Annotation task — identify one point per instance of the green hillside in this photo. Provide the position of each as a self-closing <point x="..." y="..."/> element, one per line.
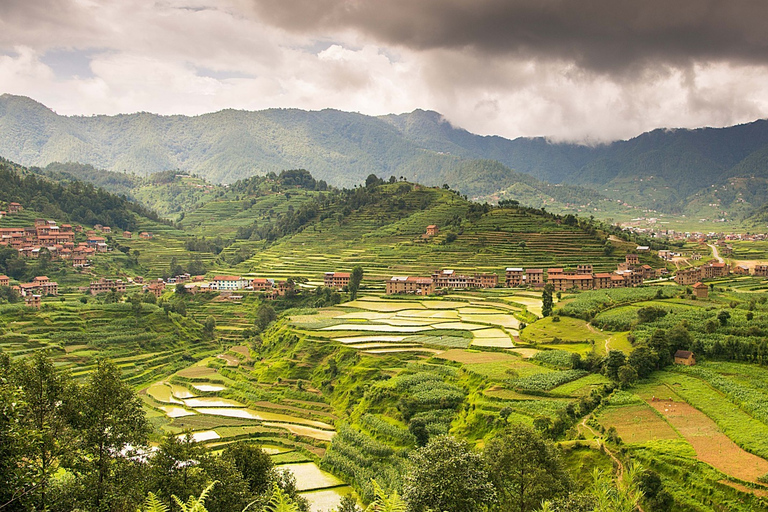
<point x="660" y="170"/>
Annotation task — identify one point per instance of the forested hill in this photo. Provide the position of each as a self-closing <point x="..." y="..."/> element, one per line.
<point x="660" y="169"/>
<point x="75" y="201"/>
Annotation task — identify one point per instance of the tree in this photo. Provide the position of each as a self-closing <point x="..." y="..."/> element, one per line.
<point x="447" y="475"/>
<point x="644" y="361"/>
<point x="46" y="394"/>
<point x="525" y="469"/>
<point x="253" y="463"/>
<point x="612" y="362"/>
<point x="265" y="315"/>
<point x="354" y="281"/>
<point x="627" y="376"/>
<point x="110" y="418"/>
<point x="15" y="437"/>
<point x="210" y="325"/>
<point x="723" y="317"/>
<point x="546" y="299"/>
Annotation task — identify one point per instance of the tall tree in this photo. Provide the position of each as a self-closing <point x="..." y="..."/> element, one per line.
<point x="14" y="440"/>
<point x="447" y="475"/>
<point x="525" y="469"/>
<point x="46" y="393"/>
<point x="354" y="281"/>
<point x="546" y="300"/>
<point x="111" y="420"/>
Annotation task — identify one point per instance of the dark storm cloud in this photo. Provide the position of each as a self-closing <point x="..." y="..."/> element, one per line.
<point x="602" y="35"/>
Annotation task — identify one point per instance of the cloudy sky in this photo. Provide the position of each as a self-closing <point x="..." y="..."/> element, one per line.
<point x="577" y="70"/>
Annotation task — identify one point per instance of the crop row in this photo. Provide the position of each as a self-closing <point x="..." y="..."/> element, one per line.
<point x="546" y="381"/>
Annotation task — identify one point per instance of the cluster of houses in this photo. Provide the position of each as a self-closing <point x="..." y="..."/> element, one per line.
<point x="59" y="241"/>
<point x="630" y="273"/>
<point x="690" y="276"/>
<point x="34" y="291"/>
<point x="440" y="279"/>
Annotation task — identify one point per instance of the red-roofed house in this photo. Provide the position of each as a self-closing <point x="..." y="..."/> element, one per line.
<point x="228" y="283"/>
<point x="336" y="280"/>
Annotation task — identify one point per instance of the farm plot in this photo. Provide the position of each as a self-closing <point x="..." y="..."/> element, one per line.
<point x="637" y="423"/>
<point x="409" y="323"/>
<point x="710" y="444"/>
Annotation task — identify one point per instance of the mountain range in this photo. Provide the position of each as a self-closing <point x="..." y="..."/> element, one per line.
<point x="709" y="172"/>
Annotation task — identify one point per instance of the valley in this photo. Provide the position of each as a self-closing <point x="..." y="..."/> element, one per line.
<point x="341" y="388"/>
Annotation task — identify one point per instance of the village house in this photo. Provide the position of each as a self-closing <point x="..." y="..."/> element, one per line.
<point x="138" y="279"/>
<point x="487" y="280"/>
<point x="741" y="270"/>
<point x="5" y="281"/>
<point x="602" y="280"/>
<point x="432" y="230"/>
<point x="584" y="269"/>
<point x="716" y="269"/>
<point x="337" y="280"/>
<point x="513" y="277"/>
<point x="262" y="285"/>
<point x="127" y="234"/>
<point x="687" y="277"/>
<point x="228" y="283"/>
<point x="282" y="289"/>
<point x="761" y="270"/>
<point x="105" y="285"/>
<point x="632" y="259"/>
<point x="534" y="277"/>
<point x="685" y="357"/>
<point x="156" y="288"/>
<point x="145" y="235"/>
<point x="14" y="208"/>
<point x="33" y="301"/>
<point x="701" y="290"/>
<point x="410" y="285"/>
<point x="106" y="229"/>
<point x="39" y="285"/>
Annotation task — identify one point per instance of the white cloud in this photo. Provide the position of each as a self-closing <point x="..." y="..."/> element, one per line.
<point x="148" y="56"/>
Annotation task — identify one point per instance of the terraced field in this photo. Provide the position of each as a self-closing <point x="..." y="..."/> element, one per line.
<point x="145" y="346"/>
<point x="215" y="404"/>
<point x="375" y="325"/>
<point x="386" y="244"/>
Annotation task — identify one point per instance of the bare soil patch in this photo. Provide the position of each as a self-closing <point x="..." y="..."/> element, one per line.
<point x="637" y="423"/>
<point x="710" y="444"/>
<point x="196" y="372"/>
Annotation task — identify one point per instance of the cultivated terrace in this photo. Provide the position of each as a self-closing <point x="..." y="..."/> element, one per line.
<point x="265" y="349"/>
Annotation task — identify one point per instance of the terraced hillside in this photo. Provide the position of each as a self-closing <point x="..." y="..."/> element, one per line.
<point x="385" y="236"/>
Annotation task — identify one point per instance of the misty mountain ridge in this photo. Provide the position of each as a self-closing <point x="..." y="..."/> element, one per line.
<point x="662" y="170"/>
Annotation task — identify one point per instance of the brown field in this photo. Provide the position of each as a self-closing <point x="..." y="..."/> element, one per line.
<point x="467" y="357"/>
<point x="637" y="423"/>
<point x="243" y="351"/>
<point x="196" y="371"/>
<point x="762" y="492"/>
<point x="231" y="360"/>
<point x="72" y="348"/>
<point x="711" y="445"/>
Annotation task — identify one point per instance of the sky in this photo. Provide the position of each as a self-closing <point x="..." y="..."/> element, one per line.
<point x="586" y="71"/>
